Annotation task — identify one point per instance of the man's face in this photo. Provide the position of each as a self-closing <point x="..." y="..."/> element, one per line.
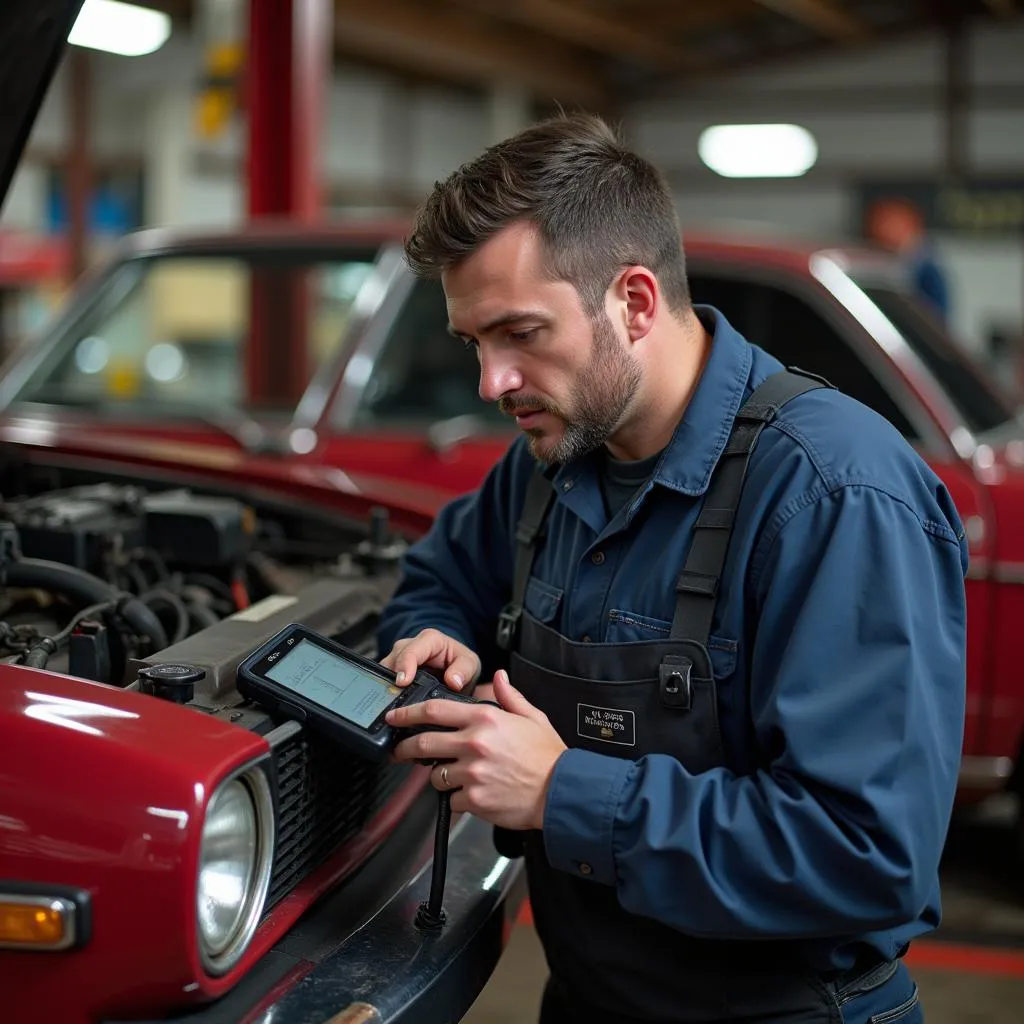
<point x="568" y="380"/>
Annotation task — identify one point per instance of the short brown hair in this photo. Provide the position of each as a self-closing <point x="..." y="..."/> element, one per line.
<point x="597" y="205"/>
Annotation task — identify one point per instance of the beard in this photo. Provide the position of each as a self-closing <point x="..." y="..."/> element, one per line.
<point x="604" y="389"/>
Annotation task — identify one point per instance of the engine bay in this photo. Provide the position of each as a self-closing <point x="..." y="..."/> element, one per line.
<point x="105" y="581"/>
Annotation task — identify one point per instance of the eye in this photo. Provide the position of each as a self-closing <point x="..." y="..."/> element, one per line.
<point x="520" y="336"/>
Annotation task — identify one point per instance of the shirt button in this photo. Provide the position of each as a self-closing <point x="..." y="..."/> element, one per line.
<point x="586" y="869"/>
<point x="597" y="558"/>
<point x="567" y="486"/>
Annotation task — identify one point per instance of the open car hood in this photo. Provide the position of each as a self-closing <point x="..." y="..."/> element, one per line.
<point x="33" y="37"/>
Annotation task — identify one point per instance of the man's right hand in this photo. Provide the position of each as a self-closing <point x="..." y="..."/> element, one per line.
<point x="431" y="648"/>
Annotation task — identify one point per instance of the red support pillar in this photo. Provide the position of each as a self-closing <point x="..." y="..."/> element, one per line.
<point x="288" y="66"/>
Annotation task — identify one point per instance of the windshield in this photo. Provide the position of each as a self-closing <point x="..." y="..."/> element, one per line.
<point x="168" y="334"/>
<point x="978" y="399"/>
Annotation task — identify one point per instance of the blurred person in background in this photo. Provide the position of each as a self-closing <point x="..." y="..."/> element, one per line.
<point x="730" y="708"/>
<point x="897" y="225"/>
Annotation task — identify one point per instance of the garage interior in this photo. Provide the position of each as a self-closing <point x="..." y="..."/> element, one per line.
<point x="317" y="111"/>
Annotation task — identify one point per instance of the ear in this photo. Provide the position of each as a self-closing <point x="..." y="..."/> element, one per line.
<point x="637" y="289"/>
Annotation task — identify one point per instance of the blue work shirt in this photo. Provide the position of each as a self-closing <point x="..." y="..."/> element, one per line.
<point x="838" y="644"/>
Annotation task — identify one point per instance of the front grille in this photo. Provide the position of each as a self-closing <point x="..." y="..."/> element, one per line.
<point x="324" y="798"/>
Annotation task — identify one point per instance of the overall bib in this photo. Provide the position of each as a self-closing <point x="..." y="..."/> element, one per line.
<point x="632" y="699"/>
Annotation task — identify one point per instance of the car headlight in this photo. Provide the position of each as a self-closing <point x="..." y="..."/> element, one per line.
<point x="235" y="862"/>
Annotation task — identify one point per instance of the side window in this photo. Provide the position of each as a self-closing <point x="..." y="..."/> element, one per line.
<point x="797" y="335"/>
<point x="422" y="374"/>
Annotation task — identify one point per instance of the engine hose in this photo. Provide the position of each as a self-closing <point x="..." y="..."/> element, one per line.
<point x="173" y="602"/>
<point x="85" y="589"/>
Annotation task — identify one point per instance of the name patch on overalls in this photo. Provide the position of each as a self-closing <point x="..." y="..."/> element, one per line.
<point x="606" y="724"/>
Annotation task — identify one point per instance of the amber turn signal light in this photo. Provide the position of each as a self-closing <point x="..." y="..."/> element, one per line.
<point x="36" y="922"/>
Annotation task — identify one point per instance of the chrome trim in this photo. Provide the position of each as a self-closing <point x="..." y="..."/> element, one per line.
<point x="282" y="733"/>
<point x="362" y="357"/>
<point x="988" y="773"/>
<point x="255" y="780"/>
<point x="931" y="440"/>
<point x="64" y="907"/>
<point x="828" y="271"/>
<point x="371" y="295"/>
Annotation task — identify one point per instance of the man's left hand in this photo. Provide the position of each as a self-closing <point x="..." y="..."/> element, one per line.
<point x="501" y="759"/>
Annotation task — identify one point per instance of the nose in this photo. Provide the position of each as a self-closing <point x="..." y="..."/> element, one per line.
<point x="498" y="375"/>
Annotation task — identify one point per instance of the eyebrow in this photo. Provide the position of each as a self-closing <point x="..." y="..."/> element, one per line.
<point x="506" y="319"/>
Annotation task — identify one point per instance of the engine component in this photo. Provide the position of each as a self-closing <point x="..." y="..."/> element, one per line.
<point x="327" y="605"/>
<point x="197" y="529"/>
<point x="89" y="651"/>
<point x="86" y="590"/>
<point x="380" y="551"/>
<point x="171" y="681"/>
<point x="77" y="526"/>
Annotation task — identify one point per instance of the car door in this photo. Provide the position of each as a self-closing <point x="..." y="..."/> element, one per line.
<point x="801" y="325"/>
<point x="408" y="407"/>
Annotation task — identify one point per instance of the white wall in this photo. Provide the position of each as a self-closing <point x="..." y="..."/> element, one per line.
<point x="875" y="113"/>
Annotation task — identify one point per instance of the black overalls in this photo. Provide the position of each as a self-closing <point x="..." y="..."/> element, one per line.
<point x="628" y="700"/>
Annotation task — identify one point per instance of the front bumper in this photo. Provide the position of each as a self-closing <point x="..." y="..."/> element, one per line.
<point x="388" y="971"/>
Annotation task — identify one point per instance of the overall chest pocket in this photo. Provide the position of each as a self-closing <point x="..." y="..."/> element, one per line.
<point x="628" y="627"/>
<point x="543" y="601"/>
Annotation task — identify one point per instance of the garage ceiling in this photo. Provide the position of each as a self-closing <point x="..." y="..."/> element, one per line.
<point x="598" y="53"/>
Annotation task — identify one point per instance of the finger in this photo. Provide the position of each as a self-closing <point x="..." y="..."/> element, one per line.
<point x="388" y="661"/>
<point x="511" y="699"/>
<point x="429" y="747"/>
<point x="444" y="777"/>
<point x="426" y="648"/>
<point x="443" y="713"/>
<point x="484" y="691"/>
<point x="464" y="669"/>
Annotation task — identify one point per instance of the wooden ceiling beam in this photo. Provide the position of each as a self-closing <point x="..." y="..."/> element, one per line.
<point x="821" y="15"/>
<point x="415" y="37"/>
<point x="587" y="27"/>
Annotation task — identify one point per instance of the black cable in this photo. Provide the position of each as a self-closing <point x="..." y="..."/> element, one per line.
<point x="430" y="915"/>
<point x="204" y="579"/>
<point x="39" y="653"/>
<point x="138" y="578"/>
<point x="157" y="561"/>
<point x="176" y="604"/>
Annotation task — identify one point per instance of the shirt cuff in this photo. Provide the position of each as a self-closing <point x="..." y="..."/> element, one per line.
<point x="580" y="811"/>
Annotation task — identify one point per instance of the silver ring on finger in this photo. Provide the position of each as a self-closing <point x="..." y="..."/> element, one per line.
<point x="444" y="777"/>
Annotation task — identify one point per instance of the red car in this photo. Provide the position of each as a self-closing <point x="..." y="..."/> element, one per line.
<point x="307" y="362"/>
<point x="237" y="431"/>
<point x="167" y="850"/>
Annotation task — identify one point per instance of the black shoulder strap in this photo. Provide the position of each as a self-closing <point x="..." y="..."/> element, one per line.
<point x="697" y="585"/>
<point x="539" y="494"/>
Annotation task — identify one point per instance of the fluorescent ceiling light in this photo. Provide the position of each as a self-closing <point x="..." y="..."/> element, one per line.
<point x="758" y="150"/>
<point x="120" y="28"/>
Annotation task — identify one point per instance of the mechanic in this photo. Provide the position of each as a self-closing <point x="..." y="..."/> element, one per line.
<point x="730" y="726"/>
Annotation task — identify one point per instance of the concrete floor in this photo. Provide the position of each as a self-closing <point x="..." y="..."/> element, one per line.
<point x="971" y="973"/>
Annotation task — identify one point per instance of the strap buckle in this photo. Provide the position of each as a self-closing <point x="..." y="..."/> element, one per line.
<point x="675" y="683"/>
<point x="508" y="621"/>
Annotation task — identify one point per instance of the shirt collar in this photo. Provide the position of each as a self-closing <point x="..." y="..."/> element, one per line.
<point x="688" y="460"/>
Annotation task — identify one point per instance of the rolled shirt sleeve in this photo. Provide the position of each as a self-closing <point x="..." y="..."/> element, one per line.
<point x="857" y="689"/>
